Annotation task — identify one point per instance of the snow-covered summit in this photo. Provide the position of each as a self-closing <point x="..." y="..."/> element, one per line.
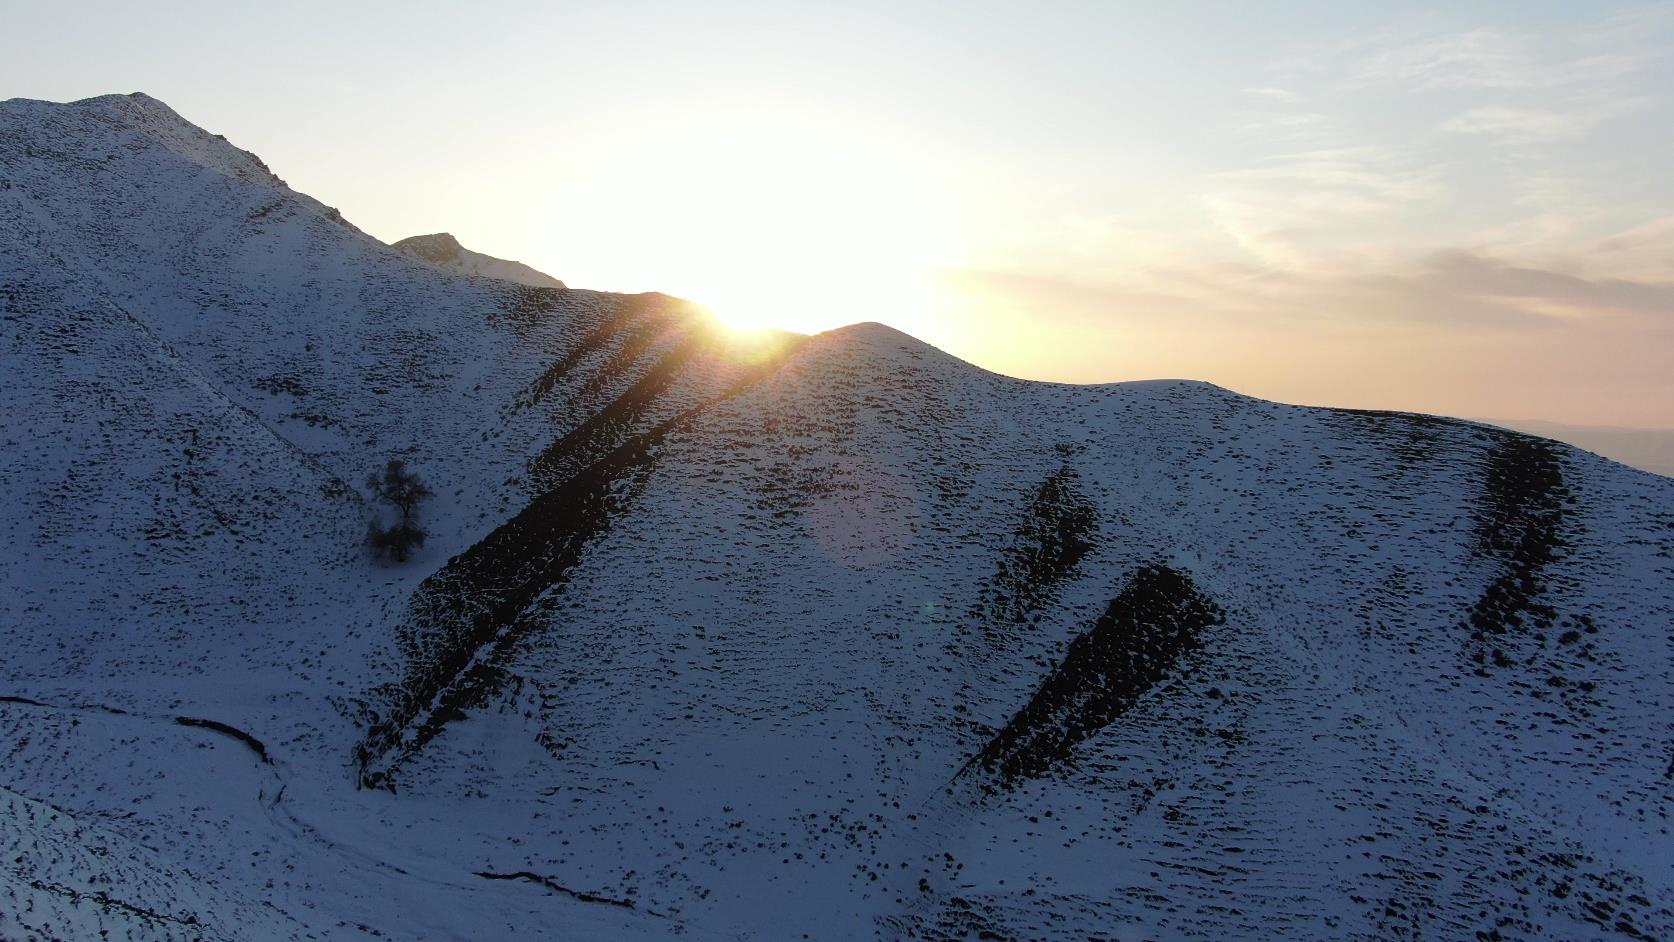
<point x="721" y="637"/>
<point x="143" y="115"/>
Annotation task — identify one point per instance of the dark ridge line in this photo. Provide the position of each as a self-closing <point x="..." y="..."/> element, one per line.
<point x="255" y="744"/>
<point x="648" y="326"/>
<point x="585" y="897"/>
<point x="1519" y="513"/>
<point x="72" y="815"/>
<point x="109" y="902"/>
<point x="448" y="625"/>
<point x="1055" y="533"/>
<point x="478" y="598"/>
<point x="602" y="429"/>
<point x="73" y="708"/>
<point x="626" y="319"/>
<point x="537" y="391"/>
<point x="1416" y="418"/>
<point x="1134" y="645"/>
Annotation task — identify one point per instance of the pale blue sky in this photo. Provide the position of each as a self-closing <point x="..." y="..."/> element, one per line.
<point x="1462" y="208"/>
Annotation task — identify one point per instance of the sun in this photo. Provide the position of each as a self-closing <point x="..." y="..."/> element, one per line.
<point x="808" y="300"/>
<point x="742" y="313"/>
<point x="770" y="222"/>
<point x="808" y="269"/>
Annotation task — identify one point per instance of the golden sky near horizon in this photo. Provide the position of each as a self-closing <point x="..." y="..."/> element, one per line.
<point x="1460" y="208"/>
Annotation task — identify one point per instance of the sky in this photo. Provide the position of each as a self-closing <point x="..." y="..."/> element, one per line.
<point x="1462" y="208"/>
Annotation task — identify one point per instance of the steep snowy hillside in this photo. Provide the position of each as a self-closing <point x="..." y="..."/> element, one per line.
<point x="758" y="637"/>
<point x="445" y="252"/>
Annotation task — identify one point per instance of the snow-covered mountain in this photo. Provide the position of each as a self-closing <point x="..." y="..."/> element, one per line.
<point x="444" y="251"/>
<point x="735" y="637"/>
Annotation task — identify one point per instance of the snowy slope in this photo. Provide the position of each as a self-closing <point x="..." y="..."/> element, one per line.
<point x="733" y="637"/>
<point x="444" y="251"/>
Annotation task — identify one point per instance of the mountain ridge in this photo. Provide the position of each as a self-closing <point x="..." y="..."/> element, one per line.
<point x="728" y="636"/>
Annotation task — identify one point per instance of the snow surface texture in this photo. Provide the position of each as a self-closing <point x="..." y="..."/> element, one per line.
<point x="444" y="251"/>
<point x="758" y="637"/>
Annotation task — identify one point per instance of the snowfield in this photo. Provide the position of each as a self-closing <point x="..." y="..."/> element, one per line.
<point x="723" y="636"/>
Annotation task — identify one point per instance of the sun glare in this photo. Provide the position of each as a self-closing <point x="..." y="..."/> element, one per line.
<point x="800" y="298"/>
<point x="745" y="320"/>
<point x="769" y="223"/>
<point x="801" y="261"/>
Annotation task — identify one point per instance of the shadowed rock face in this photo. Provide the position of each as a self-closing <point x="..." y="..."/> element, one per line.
<point x="1518" y="517"/>
<point x="1134" y="645"/>
<point x="1056" y="532"/>
<point x="467" y="616"/>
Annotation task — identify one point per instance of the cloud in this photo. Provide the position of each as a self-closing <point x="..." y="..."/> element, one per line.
<point x="1498" y="59"/>
<point x="1427" y="218"/>
<point x="1290" y="210"/>
<point x="1478" y="59"/>
<point x="1454" y="287"/>
<point x="1271" y="95"/>
<point x="1502" y="137"/>
<point x="1454" y="331"/>
<point x="1643" y="253"/>
<point x="1518" y="125"/>
<point x="1266" y="120"/>
<point x="1567" y="118"/>
<point x="1657" y="233"/>
<point x="1465" y="274"/>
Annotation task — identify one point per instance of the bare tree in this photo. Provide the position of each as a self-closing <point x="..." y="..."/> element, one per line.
<point x="402" y="490"/>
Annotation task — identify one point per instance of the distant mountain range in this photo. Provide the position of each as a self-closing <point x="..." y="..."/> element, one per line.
<point x="782" y="637"/>
<point x="1648" y="449"/>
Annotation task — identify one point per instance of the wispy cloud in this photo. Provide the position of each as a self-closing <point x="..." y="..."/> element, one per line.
<point x="1558" y="120"/>
<point x="1477" y="59"/>
<point x="1453" y="332"/>
<point x="1519" y="125"/>
<point x="1268" y="122"/>
<point x="1284" y="209"/>
<point x="1643" y="252"/>
<point x="1453" y="288"/>
<point x="1416" y="58"/>
<point x="1543" y="290"/>
<point x="1405" y="139"/>
<point x="1487" y="201"/>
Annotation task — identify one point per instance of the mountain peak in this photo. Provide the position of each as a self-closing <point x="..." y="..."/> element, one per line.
<point x="438" y="247"/>
<point x="88" y="124"/>
<point x="444" y="251"/>
<point x="130" y="100"/>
